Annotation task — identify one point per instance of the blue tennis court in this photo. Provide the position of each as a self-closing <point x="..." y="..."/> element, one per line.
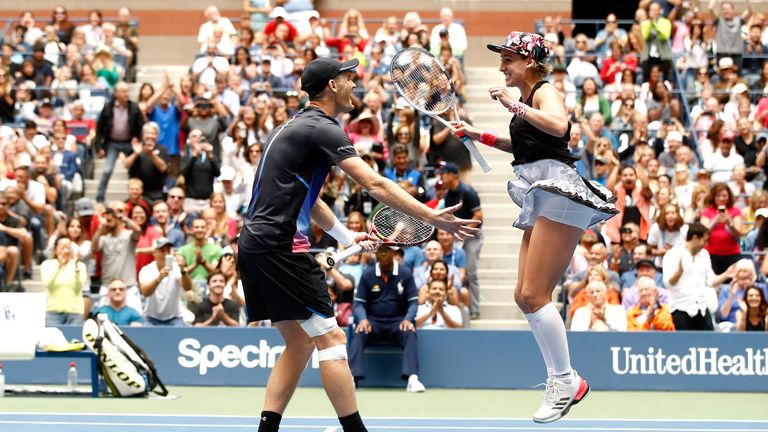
<point x="29" y="422"/>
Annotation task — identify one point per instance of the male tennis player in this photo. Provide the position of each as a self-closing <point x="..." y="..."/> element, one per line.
<point x="283" y="282"/>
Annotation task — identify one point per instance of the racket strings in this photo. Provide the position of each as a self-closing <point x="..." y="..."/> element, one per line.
<point x="401" y="228"/>
<point x="422" y="81"/>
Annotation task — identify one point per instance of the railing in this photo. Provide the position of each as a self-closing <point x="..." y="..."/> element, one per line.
<point x="8" y="22"/>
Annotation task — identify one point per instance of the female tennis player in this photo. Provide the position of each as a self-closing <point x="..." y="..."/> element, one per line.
<point x="557" y="205"/>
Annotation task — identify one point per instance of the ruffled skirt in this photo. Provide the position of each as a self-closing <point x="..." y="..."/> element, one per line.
<point x="556" y="191"/>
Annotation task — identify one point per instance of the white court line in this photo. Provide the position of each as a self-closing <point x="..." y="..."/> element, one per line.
<point x="85" y="414"/>
<point x="480" y="428"/>
<point x="331" y="429"/>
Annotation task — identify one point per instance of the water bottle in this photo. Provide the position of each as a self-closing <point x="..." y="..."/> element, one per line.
<point x="2" y="381"/>
<point x="72" y="377"/>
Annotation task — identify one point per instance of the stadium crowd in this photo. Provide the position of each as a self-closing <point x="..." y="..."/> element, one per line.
<point x="669" y="113"/>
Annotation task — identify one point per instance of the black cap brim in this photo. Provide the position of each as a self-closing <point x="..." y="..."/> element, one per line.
<point x="495" y="48"/>
<point x="349" y="65"/>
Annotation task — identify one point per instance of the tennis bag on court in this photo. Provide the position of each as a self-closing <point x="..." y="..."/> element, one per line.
<point x="126" y="368"/>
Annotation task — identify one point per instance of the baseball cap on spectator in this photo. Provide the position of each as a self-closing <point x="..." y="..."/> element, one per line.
<point x="644" y="263"/>
<point x="726" y="63"/>
<point x="161" y="243"/>
<point x="24" y="159"/>
<point x="401" y="104"/>
<point x="38" y="142"/>
<point x="739" y="88"/>
<point x="227" y="251"/>
<point x="674" y="136"/>
<point x="449" y="167"/>
<point x="761" y="212"/>
<point x="227" y="173"/>
<point x="84" y="207"/>
<point x="727" y="136"/>
<point x="443" y="32"/>
<point x="380" y="37"/>
<point x="103" y="50"/>
<point x="320" y="71"/>
<point x="354" y="126"/>
<point x="278" y="12"/>
<point x="46" y="102"/>
<point x="552" y="38"/>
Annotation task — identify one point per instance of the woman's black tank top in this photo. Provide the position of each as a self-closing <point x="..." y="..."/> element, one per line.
<point x="759" y="327"/>
<point x="530" y="144"/>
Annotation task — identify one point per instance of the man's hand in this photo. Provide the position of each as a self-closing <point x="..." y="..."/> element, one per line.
<point x="164" y="272"/>
<point x="199" y="256"/>
<point x="363" y="327"/>
<point x="218" y="310"/>
<point x="460" y="228"/>
<point x="366" y="241"/>
<point x="407" y="326"/>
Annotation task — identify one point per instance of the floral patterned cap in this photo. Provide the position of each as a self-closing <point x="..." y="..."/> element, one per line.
<point x="526" y="44"/>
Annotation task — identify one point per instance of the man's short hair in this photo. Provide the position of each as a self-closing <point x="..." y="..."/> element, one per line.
<point x="216" y="272"/>
<point x="399" y="149"/>
<point x="696" y="229"/>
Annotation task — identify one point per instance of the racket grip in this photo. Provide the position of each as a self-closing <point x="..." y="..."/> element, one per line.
<point x="338" y="257"/>
<point x="470" y="145"/>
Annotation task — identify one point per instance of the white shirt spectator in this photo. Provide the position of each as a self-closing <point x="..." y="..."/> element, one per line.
<point x="689" y="293"/>
<point x="457" y="37"/>
<point x="35" y="190"/>
<point x="437" y="322"/>
<point x="209" y="68"/>
<point x="615" y="318"/>
<point x="206" y="30"/>
<point x="579" y="68"/>
<point x="722" y="166"/>
<point x="231" y="100"/>
<point x="165" y="303"/>
<point x="658" y="238"/>
<point x="32" y="35"/>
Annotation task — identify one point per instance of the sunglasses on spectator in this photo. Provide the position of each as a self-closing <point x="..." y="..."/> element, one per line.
<point x="117" y="289"/>
<point x="175" y="197"/>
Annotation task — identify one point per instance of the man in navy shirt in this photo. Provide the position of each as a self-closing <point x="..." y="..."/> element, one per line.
<point x="282" y="281"/>
<point x="458" y="192"/>
<point x="385" y="309"/>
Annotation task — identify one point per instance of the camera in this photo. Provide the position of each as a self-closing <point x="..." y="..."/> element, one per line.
<point x="721" y="209"/>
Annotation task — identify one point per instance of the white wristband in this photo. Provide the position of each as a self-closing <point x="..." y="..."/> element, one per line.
<point x="341" y="233"/>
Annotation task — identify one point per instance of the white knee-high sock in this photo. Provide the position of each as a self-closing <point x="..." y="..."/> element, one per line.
<point x="544" y="351"/>
<point x="551" y="330"/>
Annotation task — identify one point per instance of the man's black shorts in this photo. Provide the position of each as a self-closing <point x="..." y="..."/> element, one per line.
<point x="282" y="286"/>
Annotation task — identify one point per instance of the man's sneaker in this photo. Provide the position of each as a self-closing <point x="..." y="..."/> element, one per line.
<point x="559" y="397"/>
<point x="414" y="385"/>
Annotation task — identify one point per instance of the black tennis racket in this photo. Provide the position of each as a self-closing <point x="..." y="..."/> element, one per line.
<point x="421" y="79"/>
<point x="392" y="228"/>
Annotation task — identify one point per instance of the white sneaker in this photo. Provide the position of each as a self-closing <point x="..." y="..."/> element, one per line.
<point x="414" y="385"/>
<point x="559" y="397"/>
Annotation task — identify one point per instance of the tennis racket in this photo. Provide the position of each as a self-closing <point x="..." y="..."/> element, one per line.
<point x="424" y="83"/>
<point x="393" y="228"/>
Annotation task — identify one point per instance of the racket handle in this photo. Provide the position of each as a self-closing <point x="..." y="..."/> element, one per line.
<point x="338" y="257"/>
<point x="470" y="145"/>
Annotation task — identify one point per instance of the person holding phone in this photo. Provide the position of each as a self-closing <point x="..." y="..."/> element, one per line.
<point x="200" y="170"/>
<point x="163" y="283"/>
<point x="725" y="222"/>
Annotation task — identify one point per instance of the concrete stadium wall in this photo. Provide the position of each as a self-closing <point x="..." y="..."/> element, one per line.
<point x="168" y="28"/>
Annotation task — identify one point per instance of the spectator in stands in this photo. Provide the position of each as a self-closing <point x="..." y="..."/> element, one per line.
<point x="31" y="205"/>
<point x="596" y="256"/>
<point x="234" y="196"/>
<point x="279" y="16"/>
<point x="728" y="39"/>
<point x="437" y="312"/>
<point x="649" y="313"/>
<point x="662" y="106"/>
<point x="644" y="267"/>
<point x="743" y="276"/>
<point x="61" y="24"/>
<point x="383" y="310"/>
<point x="209" y="116"/>
<point x="117" y="310"/>
<point x="161" y="222"/>
<point x="224" y="227"/>
<point x="657" y="32"/>
<point x="177" y="216"/>
<point x="119" y="126"/>
<point x="592" y="102"/>
<point x="167" y="117"/>
<point x="200" y="170"/>
<point x="129" y="33"/>
<point x="105" y="67"/>
<point x="754" y="315"/>
<point x="213" y="21"/>
<point x="721" y="162"/>
<point x="740" y="187"/>
<point x="457" y="37"/>
<point x="258" y="11"/>
<point x="72" y="228"/>
<point x="598" y="314"/>
<point x="149" y="162"/>
<point x="401" y="170"/>
<point x="201" y="256"/>
<point x="149" y="234"/>
<point x="688" y="276"/>
<point x="64" y="278"/>
<point x="136" y="196"/>
<point x="667" y="231"/>
<point x="580" y="67"/>
<point x="633" y="200"/>
<point x="116" y="240"/>
<point x="608" y="34"/>
<point x="216" y="310"/>
<point x="32" y="34"/>
<point x="92" y="32"/>
<point x="433" y="253"/>
<point x="16" y="240"/>
<point x="206" y="68"/>
<point x="458" y="192"/>
<point x="725" y="222"/>
<point x="163" y="283"/>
